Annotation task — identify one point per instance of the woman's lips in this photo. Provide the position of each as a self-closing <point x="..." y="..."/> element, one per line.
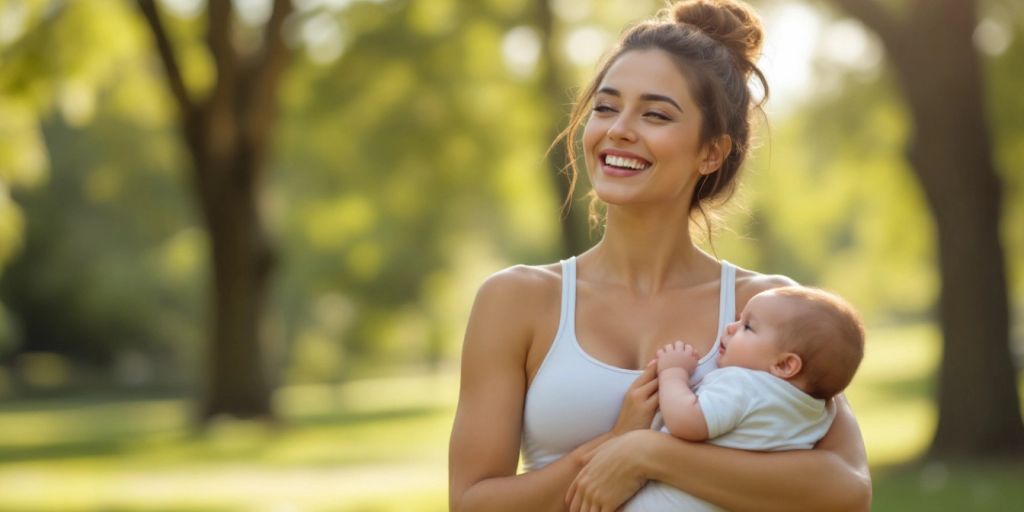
<point x="622" y="163"/>
<point x="619" y="172"/>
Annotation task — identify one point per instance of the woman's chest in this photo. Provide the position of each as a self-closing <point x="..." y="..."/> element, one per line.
<point x="626" y="331"/>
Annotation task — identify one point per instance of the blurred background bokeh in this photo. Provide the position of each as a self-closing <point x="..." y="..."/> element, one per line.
<point x="239" y="239"/>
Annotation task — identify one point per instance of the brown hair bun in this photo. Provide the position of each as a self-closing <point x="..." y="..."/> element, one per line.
<point x="732" y="23"/>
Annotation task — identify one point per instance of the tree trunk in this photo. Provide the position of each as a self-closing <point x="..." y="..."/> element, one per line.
<point x="228" y="135"/>
<point x="950" y="152"/>
<point x="573" y="221"/>
<point x="241" y="257"/>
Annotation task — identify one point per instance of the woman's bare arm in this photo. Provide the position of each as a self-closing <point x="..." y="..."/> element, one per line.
<point x="485" y="438"/>
<point x="833" y="476"/>
<point x="484" y="449"/>
<point x="484" y="452"/>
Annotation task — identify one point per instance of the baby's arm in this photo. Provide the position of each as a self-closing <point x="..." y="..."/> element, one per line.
<point x="679" y="406"/>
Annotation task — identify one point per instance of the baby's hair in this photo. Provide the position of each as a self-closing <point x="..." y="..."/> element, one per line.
<point x="828" y="334"/>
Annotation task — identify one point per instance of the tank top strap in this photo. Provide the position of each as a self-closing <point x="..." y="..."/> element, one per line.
<point x="567" y="322"/>
<point x="726" y="316"/>
<point x="727" y="297"/>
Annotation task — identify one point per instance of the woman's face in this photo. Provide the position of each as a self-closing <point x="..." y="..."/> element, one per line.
<point x="642" y="138"/>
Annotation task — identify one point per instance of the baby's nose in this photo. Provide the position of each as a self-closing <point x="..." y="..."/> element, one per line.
<point x="731" y="328"/>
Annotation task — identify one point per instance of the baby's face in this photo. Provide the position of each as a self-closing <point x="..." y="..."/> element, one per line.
<point x="753" y="341"/>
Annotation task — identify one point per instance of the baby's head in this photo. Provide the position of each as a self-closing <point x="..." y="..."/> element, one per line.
<point x="809" y="337"/>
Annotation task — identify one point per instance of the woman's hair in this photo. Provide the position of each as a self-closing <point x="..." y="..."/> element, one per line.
<point x="715" y="44"/>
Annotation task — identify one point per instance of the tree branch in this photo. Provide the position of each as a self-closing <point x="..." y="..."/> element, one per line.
<point x="163" y="45"/>
<point x="218" y="39"/>
<point x="266" y="71"/>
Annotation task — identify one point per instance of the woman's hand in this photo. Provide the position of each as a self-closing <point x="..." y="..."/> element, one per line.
<point x="612" y="476"/>
<point x="637" y="412"/>
<point x="640" y="402"/>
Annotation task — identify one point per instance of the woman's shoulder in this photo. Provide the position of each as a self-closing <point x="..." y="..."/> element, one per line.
<point x="523" y="279"/>
<point x="510" y="307"/>
<point x="750" y="283"/>
<point x="522" y="288"/>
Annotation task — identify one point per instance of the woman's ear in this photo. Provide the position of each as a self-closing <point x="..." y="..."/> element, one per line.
<point x="716" y="153"/>
<point x="787" y="366"/>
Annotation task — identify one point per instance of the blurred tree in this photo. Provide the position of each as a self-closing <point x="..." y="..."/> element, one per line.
<point x="36" y="78"/>
<point x="420" y="152"/>
<point x="23" y="160"/>
<point x="367" y="231"/>
<point x="228" y="135"/>
<point x="930" y="46"/>
<point x="557" y="94"/>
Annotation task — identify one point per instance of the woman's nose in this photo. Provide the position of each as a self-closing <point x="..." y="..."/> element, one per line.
<point x="622" y="129"/>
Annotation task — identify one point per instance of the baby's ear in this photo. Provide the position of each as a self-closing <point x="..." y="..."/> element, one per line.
<point x="787" y="366"/>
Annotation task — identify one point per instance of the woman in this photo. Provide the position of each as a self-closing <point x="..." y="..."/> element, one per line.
<point x="556" y="357"/>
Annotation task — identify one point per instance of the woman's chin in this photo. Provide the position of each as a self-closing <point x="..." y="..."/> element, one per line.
<point x="617" y="194"/>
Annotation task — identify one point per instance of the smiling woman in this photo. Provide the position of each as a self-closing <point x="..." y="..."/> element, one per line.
<point x="556" y="363"/>
<point x="654" y="107"/>
<point x="706" y="71"/>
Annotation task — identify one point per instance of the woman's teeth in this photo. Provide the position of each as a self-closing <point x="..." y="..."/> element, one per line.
<point x="627" y="163"/>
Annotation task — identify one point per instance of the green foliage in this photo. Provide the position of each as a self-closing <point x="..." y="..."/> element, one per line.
<point x="103" y="270"/>
<point x="408" y="164"/>
<point x="825" y="208"/>
<point x="1005" y="74"/>
<point x="410" y="140"/>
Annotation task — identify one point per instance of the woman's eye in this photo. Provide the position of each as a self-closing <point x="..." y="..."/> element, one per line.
<point x="658" y="115"/>
<point x="603" y="108"/>
<point x="746" y="327"/>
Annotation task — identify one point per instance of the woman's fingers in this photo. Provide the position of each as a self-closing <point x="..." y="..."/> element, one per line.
<point x="652" y="401"/>
<point x="572" y="498"/>
<point x="650" y="385"/>
<point x="650" y="373"/>
<point x="645" y="391"/>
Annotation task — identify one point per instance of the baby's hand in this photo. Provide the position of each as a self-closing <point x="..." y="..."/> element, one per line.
<point x="678" y="355"/>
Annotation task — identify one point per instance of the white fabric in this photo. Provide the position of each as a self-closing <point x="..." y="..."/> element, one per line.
<point x="748" y="410"/>
<point x="575" y="397"/>
<point x="753" y="410"/>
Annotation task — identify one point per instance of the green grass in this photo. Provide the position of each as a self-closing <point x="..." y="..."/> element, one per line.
<point x="974" y="487"/>
<point x="370" y="445"/>
<point x="381" y="445"/>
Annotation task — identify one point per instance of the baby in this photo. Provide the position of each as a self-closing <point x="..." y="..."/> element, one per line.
<point x="792" y="350"/>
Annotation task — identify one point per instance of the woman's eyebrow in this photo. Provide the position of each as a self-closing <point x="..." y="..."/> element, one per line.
<point x="644" y="97"/>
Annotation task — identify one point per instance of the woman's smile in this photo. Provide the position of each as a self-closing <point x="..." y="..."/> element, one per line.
<point x="622" y="163"/>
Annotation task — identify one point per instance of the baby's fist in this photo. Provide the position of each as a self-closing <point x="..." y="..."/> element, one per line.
<point x="678" y="355"/>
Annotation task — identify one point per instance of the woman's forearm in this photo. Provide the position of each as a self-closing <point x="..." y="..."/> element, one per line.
<point x="745" y="480"/>
<point x="541" y="490"/>
<point x="832" y="476"/>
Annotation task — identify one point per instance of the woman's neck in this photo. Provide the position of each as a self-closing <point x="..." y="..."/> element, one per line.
<point x="647" y="252"/>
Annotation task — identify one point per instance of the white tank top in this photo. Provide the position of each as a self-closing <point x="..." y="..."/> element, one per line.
<point x="573" y="397"/>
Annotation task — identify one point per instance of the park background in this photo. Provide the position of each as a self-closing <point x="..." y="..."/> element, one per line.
<point x="239" y="240"/>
